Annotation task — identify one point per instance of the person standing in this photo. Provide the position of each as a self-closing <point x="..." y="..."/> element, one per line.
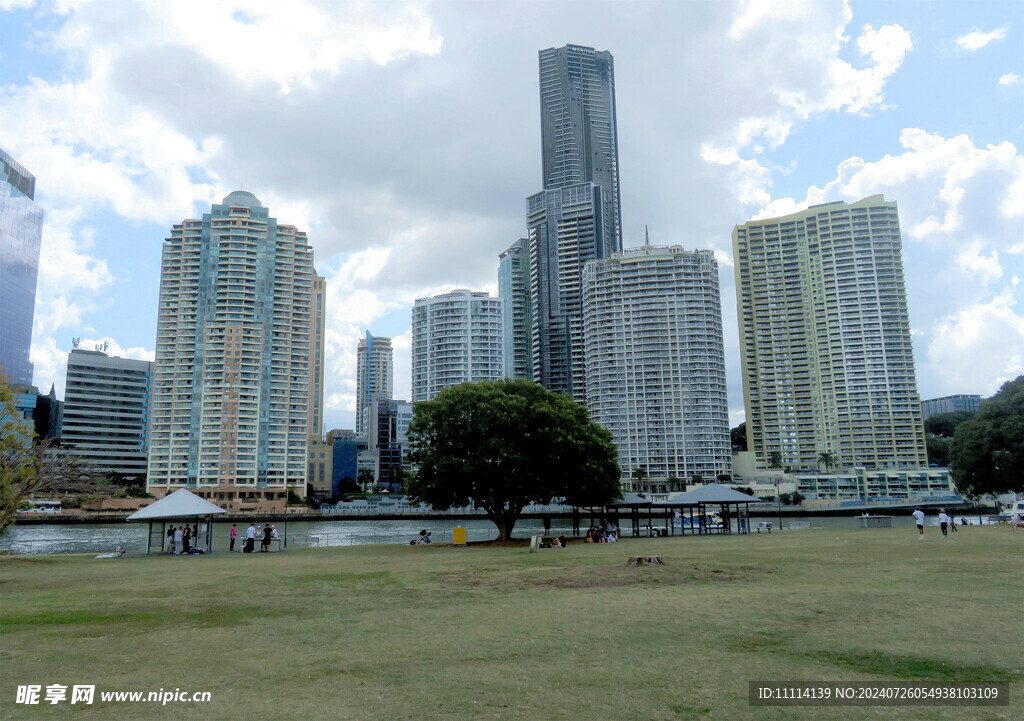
<point x="234" y="535"/>
<point x="250" y="538"/>
<point x="944" y="523"/>
<point x="186" y="537"/>
<point x="265" y="545"/>
<point x="178" y="540"/>
<point x="170" y="539"/>
<point x="919" y="519"/>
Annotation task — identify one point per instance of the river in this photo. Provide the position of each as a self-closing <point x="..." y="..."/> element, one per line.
<point x="98" y="538"/>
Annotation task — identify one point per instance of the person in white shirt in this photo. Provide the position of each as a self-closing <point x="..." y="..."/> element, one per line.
<point x="919" y="519"/>
<point x="944" y="522"/>
<point x="179" y="540"/>
<point x="250" y="538"/>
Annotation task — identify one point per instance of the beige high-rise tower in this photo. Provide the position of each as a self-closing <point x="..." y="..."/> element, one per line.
<point x="828" y="365"/>
<point x="231" y="380"/>
<point x="318" y="300"/>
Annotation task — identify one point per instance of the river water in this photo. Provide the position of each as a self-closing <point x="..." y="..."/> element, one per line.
<point x="98" y="538"/>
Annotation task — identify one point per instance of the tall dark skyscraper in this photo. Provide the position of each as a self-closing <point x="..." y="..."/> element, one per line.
<point x="577" y="124"/>
<point x="576" y="218"/>
<point x="21" y="233"/>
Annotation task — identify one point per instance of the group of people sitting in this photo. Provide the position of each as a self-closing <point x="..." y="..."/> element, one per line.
<point x="606" y="533"/>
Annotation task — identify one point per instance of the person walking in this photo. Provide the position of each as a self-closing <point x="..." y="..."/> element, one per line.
<point x="250" y="538"/>
<point x="944" y="523"/>
<point x="919" y="520"/>
<point x="234" y="535"/>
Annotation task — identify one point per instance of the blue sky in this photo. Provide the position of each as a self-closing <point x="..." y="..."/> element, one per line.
<point x="404" y="138"/>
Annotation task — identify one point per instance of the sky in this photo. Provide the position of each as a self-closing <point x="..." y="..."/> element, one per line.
<point x="404" y="138"/>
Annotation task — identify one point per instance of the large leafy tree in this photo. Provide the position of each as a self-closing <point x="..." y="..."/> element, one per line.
<point x="988" y="450"/>
<point x="505" y="444"/>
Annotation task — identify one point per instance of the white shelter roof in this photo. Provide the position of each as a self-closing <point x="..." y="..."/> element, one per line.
<point x="180" y="504"/>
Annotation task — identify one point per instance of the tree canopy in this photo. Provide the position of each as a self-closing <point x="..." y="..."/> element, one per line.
<point x="987" y="455"/>
<point x="738" y="436"/>
<point x="505" y="444"/>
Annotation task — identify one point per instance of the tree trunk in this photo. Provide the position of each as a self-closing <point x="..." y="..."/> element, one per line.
<point x="505" y="522"/>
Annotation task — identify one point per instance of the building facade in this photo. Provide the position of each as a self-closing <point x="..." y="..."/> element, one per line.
<point x="828" y="365"/>
<point x="231" y="383"/>
<point x="317" y="318"/>
<point x="387" y="439"/>
<point x="577" y="123"/>
<point x="375" y="375"/>
<point x="107" y="412"/>
<point x="21" y="234"/>
<point x="655" y="361"/>
<point x="950" y="404"/>
<point x="514" y="291"/>
<point x="345" y="469"/>
<point x="577" y="217"/>
<point x="566" y="231"/>
<point x="456" y="338"/>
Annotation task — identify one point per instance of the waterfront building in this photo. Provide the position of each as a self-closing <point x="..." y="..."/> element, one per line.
<point x="577" y="217"/>
<point x="231" y="383"/>
<point x="107" y="412"/>
<point x="375" y="375"/>
<point x="950" y="404"/>
<point x="655" y="362"/>
<point x="828" y="364"/>
<point x="21" y="234"/>
<point x="514" y="291"/>
<point x="317" y="317"/>
<point x="320" y="472"/>
<point x="878" y="486"/>
<point x="456" y="338"/>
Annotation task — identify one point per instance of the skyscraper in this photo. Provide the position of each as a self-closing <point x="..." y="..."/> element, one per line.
<point x="456" y="338"/>
<point x="514" y="291"/>
<point x="107" y="411"/>
<point x="577" y="124"/>
<point x="231" y="383"/>
<point x="655" y="361"/>
<point x="21" y="234"/>
<point x="828" y="365"/>
<point x="318" y="300"/>
<point x="375" y="376"/>
<point x="576" y="218"/>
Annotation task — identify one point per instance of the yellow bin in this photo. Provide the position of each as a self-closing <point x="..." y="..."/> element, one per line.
<point x="459" y="536"/>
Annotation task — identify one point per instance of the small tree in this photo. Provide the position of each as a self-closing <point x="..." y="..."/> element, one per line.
<point x="827" y="459"/>
<point x="639" y="474"/>
<point x="366" y="478"/>
<point x="505" y="444"/>
<point x="738" y="436"/>
<point x="28" y="468"/>
<point x="775" y="459"/>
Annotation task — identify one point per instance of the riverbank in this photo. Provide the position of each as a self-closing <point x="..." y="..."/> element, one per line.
<point x="389" y="632"/>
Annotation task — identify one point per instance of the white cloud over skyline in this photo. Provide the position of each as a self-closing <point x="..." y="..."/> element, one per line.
<point x="405" y="139"/>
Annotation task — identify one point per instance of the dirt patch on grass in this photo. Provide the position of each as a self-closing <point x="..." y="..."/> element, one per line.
<point x="597" y="576"/>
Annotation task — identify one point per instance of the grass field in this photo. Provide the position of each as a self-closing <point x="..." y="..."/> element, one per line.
<point x="398" y="632"/>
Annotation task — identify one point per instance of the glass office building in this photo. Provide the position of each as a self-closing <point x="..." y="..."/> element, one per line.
<point x="21" y="233"/>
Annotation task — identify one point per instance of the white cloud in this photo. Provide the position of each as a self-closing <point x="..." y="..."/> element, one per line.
<point x="1009" y="79"/>
<point x="7" y="5"/>
<point x="856" y="90"/>
<point x="986" y="268"/>
<point x="977" y="40"/>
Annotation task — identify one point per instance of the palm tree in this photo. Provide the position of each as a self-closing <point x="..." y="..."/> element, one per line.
<point x="366" y="478"/>
<point x="827" y="459"/>
<point x="639" y="475"/>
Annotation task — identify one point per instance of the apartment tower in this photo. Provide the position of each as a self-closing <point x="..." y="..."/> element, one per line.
<point x="828" y="365"/>
<point x="655" y="361"/>
<point x="456" y="338"/>
<point x="576" y="218"/>
<point x="514" y="291"/>
<point x="231" y="383"/>
<point x="375" y="376"/>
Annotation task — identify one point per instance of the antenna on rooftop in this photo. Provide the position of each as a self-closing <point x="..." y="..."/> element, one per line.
<point x="647" y="237"/>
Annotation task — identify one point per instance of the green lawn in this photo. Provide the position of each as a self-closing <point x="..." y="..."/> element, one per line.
<point x="399" y="632"/>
